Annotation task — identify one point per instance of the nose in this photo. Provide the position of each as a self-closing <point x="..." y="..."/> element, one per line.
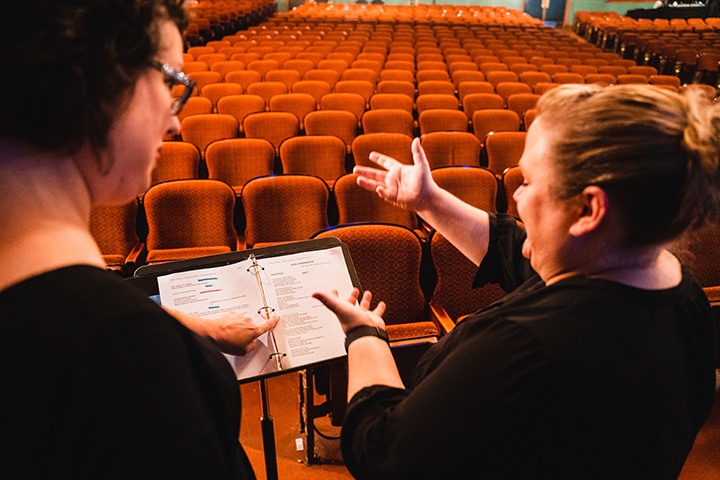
<point x="174" y="128"/>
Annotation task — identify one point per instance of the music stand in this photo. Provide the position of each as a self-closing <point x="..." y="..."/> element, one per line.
<point x="146" y="278"/>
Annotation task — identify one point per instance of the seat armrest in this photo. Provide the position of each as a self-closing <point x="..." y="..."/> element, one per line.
<point x="135" y="258"/>
<point x="713" y="294"/>
<point x="441" y="318"/>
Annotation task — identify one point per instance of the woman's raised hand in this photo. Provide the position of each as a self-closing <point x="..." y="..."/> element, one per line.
<point x="406" y="186"/>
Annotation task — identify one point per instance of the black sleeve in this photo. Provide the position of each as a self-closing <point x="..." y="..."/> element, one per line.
<point x="184" y="396"/>
<point x="463" y="418"/>
<point x="107" y="385"/>
<point x="504" y="263"/>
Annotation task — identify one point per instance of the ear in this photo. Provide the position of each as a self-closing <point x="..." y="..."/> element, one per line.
<point x="593" y="203"/>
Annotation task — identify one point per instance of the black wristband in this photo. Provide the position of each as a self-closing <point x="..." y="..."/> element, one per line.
<point x="365" y="331"/>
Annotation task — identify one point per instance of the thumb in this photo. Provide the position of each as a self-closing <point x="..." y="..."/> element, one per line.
<point x="419" y="157"/>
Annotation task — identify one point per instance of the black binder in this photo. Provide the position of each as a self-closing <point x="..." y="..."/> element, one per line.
<point x="146" y="278"/>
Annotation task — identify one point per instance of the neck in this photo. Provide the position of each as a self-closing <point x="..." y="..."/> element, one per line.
<point x="47" y="223"/>
<point x="650" y="269"/>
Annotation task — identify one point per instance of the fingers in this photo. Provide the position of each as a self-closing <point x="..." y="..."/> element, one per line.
<point x="251" y="346"/>
<point x="366" y="300"/>
<point x="267" y="325"/>
<point x="369" y="173"/>
<point x="380" y="309"/>
<point x="369" y="184"/>
<point x="331" y="302"/>
<point x="341" y="308"/>
<point x="383" y="160"/>
<point x="352" y="298"/>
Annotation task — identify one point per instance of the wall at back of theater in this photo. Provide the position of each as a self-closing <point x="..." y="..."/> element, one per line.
<point x="560" y="11"/>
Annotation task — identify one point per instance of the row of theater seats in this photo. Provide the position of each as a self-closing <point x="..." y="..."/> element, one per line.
<point x="213" y="19"/>
<point x="417" y="15"/>
<point x="403" y="262"/>
<point x="486" y="133"/>
<point x="180" y="219"/>
<point x="438" y="88"/>
<point x="386" y="130"/>
<point x="237" y="160"/>
<point x="688" y="48"/>
<point x="389" y="246"/>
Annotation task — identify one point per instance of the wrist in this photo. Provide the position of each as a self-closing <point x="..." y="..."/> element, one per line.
<point x="365" y="331"/>
<point x="429" y="200"/>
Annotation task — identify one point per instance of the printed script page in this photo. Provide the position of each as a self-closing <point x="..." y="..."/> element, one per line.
<point x="307" y="333"/>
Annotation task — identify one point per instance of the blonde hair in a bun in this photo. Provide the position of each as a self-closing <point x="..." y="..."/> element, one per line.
<point x="654" y="151"/>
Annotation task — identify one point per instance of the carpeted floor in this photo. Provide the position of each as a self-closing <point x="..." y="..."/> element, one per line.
<point x="703" y="463"/>
<point x="292" y="456"/>
<point x="290" y="443"/>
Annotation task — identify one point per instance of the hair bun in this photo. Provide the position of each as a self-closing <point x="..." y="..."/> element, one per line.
<point x="701" y="140"/>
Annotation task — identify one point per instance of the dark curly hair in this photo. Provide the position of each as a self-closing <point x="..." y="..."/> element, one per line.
<point x="73" y="67"/>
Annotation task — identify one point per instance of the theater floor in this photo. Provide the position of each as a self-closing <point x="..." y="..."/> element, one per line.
<point x="284" y="407"/>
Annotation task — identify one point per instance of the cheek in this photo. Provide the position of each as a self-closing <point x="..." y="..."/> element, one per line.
<point x="525" y="201"/>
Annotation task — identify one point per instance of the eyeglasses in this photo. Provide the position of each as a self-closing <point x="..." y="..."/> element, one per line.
<point x="174" y="77"/>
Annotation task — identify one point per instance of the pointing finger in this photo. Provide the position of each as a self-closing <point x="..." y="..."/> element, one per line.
<point x="267" y="325"/>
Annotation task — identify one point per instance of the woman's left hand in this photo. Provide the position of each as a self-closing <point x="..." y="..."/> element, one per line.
<point x="349" y="313"/>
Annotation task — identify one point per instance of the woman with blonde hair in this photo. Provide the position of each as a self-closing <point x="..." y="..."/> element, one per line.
<point x="599" y="363"/>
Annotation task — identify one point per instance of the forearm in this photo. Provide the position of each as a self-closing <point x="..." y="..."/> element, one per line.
<point x="466" y="227"/>
<point x="195" y="324"/>
<point x="232" y="332"/>
<point x="370" y="362"/>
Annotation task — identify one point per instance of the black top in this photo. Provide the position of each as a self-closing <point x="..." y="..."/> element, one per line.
<point x="99" y="382"/>
<point x="583" y="379"/>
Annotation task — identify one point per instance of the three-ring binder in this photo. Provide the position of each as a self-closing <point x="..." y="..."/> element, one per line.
<point x="265" y="312"/>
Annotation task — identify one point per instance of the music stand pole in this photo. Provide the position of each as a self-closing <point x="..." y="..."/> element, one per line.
<point x="268" y="434"/>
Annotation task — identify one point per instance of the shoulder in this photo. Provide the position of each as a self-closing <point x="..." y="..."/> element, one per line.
<point x="85" y="316"/>
<point x="82" y="307"/>
<point x="491" y="349"/>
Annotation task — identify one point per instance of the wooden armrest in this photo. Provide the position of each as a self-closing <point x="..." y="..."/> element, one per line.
<point x="135" y="258"/>
<point x="713" y="294"/>
<point x="411" y="331"/>
<point x="409" y="342"/>
<point x="441" y="318"/>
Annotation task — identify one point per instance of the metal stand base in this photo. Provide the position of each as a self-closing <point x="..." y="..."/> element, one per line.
<point x="268" y="434"/>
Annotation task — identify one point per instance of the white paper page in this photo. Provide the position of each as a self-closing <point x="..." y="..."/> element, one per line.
<point x="312" y="333"/>
<point x="214" y="291"/>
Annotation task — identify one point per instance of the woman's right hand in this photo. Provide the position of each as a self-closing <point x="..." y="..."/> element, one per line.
<point x="406" y="186"/>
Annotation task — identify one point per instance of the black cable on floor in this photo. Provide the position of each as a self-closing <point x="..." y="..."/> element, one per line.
<point x="324" y="435"/>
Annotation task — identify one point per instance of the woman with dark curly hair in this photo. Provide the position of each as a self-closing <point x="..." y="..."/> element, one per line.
<point x="99" y="381"/>
<point x="600" y="362"/>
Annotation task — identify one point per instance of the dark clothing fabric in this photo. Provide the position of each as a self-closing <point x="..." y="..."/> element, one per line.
<point x="583" y="379"/>
<point x="99" y="382"/>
